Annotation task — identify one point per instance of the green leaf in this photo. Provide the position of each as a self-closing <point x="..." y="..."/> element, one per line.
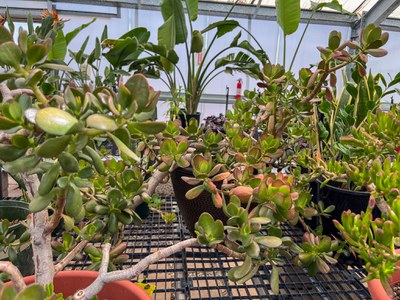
<point x="194" y="192"/>
<point x="206" y="221"/>
<point x="269" y="241"/>
<point x="5" y="76"/>
<point x="8" y="293"/>
<point x="53" y="147"/>
<point x="15" y="110"/>
<point x="5" y="35"/>
<point x="30" y="23"/>
<point x="123" y="148"/>
<point x="20" y="141"/>
<point x="119" y="54"/>
<point x="70" y="35"/>
<point x="172" y="11"/>
<point x="275" y="280"/>
<point x="35" y="54"/>
<point x="236" y="39"/>
<point x="333" y="4"/>
<point x="10" y="55"/>
<point x="55" y="121"/>
<point x="288" y="15"/>
<point x="139" y="89"/>
<point x="166" y="34"/>
<point x="192" y="8"/>
<point x="10" y="152"/>
<point x="101" y="122"/>
<point x="23" y="40"/>
<point x="59" y="49"/>
<point x="223" y="27"/>
<point x="57" y="67"/>
<point x="149" y="127"/>
<point x="40" y="203"/>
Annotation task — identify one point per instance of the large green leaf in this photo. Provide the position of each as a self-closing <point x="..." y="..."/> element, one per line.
<point x="192" y="8"/>
<point x="121" y="50"/>
<point x="167" y="33"/>
<point x="59" y="49"/>
<point x="172" y="11"/>
<point x="223" y="27"/>
<point x="70" y="35"/>
<point x="288" y="15"/>
<point x="141" y="33"/>
<point x="334" y="4"/>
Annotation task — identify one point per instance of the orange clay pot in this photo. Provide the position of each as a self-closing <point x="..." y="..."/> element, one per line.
<point x="69" y="282"/>
<point x="376" y="288"/>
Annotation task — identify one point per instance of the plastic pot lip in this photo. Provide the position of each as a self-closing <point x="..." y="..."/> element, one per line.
<point x="344" y="191"/>
<point x="184" y="171"/>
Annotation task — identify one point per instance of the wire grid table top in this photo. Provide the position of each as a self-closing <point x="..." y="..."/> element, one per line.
<point x="201" y="272"/>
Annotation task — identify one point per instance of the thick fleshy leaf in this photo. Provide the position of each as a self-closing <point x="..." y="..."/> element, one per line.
<point x="10" y="54"/>
<point x="123" y="148"/>
<point x="10" y="152"/>
<point x="149" y="127"/>
<point x="190" y="180"/>
<point x="32" y="292"/>
<point x="35" y="53"/>
<point x="5" y="35"/>
<point x="244" y="269"/>
<point x="101" y="122"/>
<point x="138" y="86"/>
<point x="275" y="280"/>
<point x="53" y="147"/>
<point x="269" y="241"/>
<point x="6" y="76"/>
<point x="194" y="192"/>
<point x="6" y="123"/>
<point x="55" y="121"/>
<point x="57" y="67"/>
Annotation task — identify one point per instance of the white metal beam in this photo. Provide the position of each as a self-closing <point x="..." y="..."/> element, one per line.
<point x="377" y="14"/>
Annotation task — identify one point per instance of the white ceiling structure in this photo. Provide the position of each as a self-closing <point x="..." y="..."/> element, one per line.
<point x="383" y="12"/>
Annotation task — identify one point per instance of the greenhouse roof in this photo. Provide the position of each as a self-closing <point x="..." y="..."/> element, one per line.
<point x="384" y="12"/>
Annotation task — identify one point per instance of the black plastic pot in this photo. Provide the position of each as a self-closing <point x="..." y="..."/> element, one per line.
<point x="185" y="118"/>
<point x="192" y="209"/>
<point x="18" y="210"/>
<point x="343" y="200"/>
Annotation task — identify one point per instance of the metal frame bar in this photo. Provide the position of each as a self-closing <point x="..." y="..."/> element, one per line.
<point x="377" y="15"/>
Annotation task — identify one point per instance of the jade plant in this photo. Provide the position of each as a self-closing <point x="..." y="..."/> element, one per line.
<point x="49" y="134"/>
<point x="375" y="240"/>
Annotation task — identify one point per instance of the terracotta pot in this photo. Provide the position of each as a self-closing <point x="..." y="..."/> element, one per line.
<point x="69" y="282"/>
<point x="376" y="288"/>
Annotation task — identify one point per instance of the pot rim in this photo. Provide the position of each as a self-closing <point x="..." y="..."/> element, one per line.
<point x="344" y="191"/>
